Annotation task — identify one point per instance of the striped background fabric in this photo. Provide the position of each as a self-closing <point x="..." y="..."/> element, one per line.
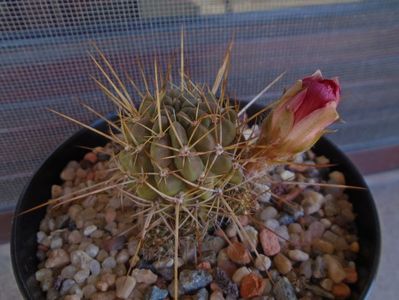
<point x="45" y="63"/>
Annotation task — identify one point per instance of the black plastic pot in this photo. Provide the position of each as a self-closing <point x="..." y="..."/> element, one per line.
<point x="23" y="240"/>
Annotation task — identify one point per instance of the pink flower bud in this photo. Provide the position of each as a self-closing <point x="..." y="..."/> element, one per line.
<point x="299" y="118"/>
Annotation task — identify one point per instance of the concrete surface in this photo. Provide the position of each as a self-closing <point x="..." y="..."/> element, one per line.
<point x="385" y="188"/>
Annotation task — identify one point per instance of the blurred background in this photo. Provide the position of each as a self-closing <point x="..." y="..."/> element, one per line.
<point x="45" y="63"/>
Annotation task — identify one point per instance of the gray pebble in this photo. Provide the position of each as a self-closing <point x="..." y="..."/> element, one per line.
<point x="109" y="263"/>
<point x="92" y="250"/>
<point x="155" y="293"/>
<point x="283" y="290"/>
<point x="94" y="267"/>
<point x="192" y="280"/>
<point x="67" y="284"/>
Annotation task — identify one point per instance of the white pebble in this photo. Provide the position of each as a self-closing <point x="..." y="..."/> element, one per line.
<point x="252" y="235"/>
<point x="89" y="230"/>
<point x="43" y="274"/>
<point x="144" y="276"/>
<point x="298" y="255"/>
<point x="282" y="233"/>
<point x="268" y="213"/>
<point x="287" y="175"/>
<point x="40" y="236"/>
<point x="240" y="273"/>
<point x="56" y="242"/>
<point x="312" y="201"/>
<point x="263" y="262"/>
<point x="272" y="224"/>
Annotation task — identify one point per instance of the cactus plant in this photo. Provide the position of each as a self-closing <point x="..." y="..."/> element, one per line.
<point x="185" y="161"/>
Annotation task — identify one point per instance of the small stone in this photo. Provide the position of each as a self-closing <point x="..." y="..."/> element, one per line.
<point x="125" y="286"/>
<point x="92" y="250"/>
<point x="102" y="255"/>
<point x="298" y="255"/>
<point x="287" y="175"/>
<point x="68" y="174"/>
<point x="56" y="191"/>
<point x="144" y="276"/>
<point x="102" y="286"/>
<point x="155" y="293"/>
<point x="252" y="235"/>
<point x="122" y="257"/>
<point x="267" y="286"/>
<point x="262" y="262"/>
<point x="269" y="242"/>
<point x="327" y="284"/>
<point x="335" y="270"/>
<point x="323" y="246"/>
<point x="223" y="282"/>
<point x="243" y="219"/>
<point x="89" y="230"/>
<point x="103" y="296"/>
<point x="43" y="274"/>
<point x="330" y="237"/>
<point x="251" y="286"/>
<point x="73" y="297"/>
<point x="286" y="219"/>
<point x="91" y="157"/>
<point x="193" y="280"/>
<point x="354" y="247"/>
<point x="295" y="228"/>
<point x="216" y="295"/>
<point x="80" y="259"/>
<point x="326" y="222"/>
<point x="305" y="269"/>
<point x="109" y="278"/>
<point x="312" y="201"/>
<point x="94" y="267"/>
<point x="115" y="243"/>
<point x="319" y="267"/>
<point x="224" y="263"/>
<point x="109" y="263"/>
<point x="231" y="231"/>
<point x="282" y="233"/>
<point x="283" y="290"/>
<point x="268" y="213"/>
<point x="75" y="237"/>
<point x="282" y="263"/>
<point x="81" y="276"/>
<point x="316" y="229"/>
<point x="214" y="243"/>
<point x="110" y="215"/>
<point x="88" y="290"/>
<point x="351" y="275"/>
<point x="57" y="258"/>
<point x="240" y="274"/>
<point x="272" y="224"/>
<point x="341" y="291"/>
<point x="67" y="284"/>
<point x="56" y="243"/>
<point x="68" y="272"/>
<point x="238" y="253"/>
<point x="202" y="294"/>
